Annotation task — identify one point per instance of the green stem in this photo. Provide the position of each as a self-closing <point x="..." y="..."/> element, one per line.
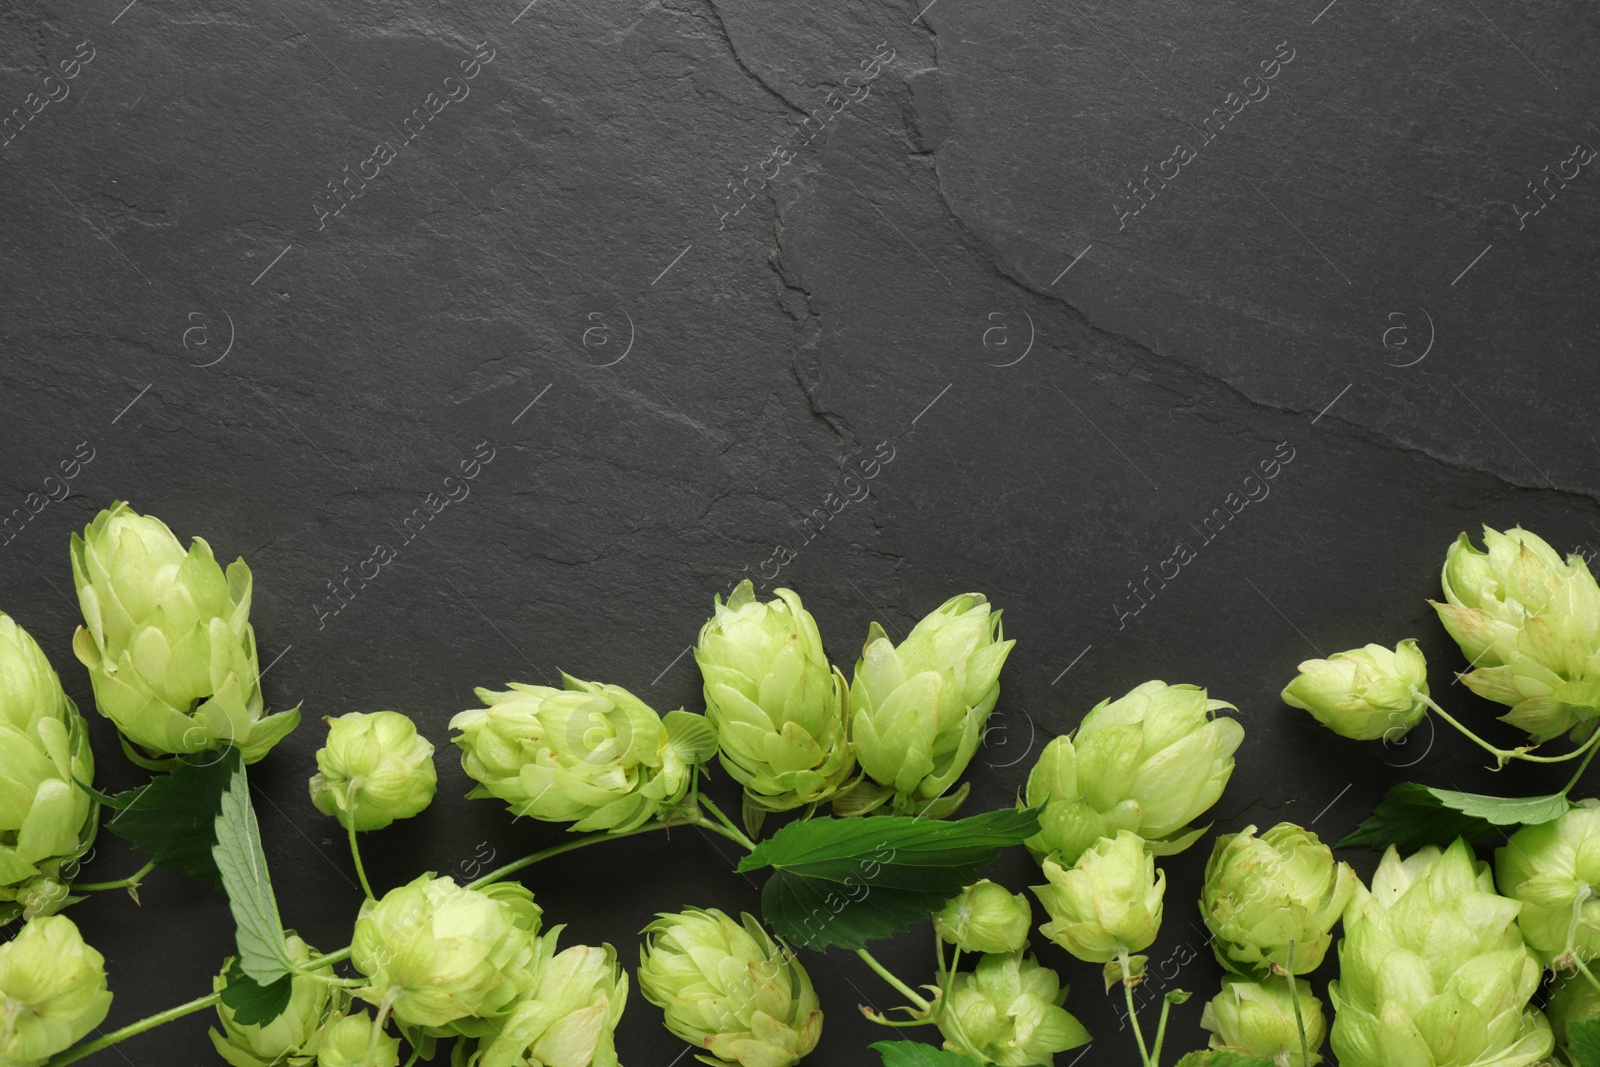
<point x="1161" y="1031"/>
<point x="566" y="846"/>
<point x="884" y="973"/>
<point x="132" y="881"/>
<point x="416" y="1053"/>
<point x="1593" y="745"/>
<point x="73" y="1055"/>
<point x="733" y="832"/>
<point x="1586" y="973"/>
<point x="1501" y="755"/>
<point x="1133" y="1012"/>
<point x="1294" y="998"/>
<point x="355" y="854"/>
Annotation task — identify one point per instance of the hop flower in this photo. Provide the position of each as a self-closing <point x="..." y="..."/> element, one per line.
<point x="1552" y="869"/>
<point x="1573" y="999"/>
<point x="1150" y="762"/>
<point x="985" y="917"/>
<point x="729" y="989"/>
<point x="569" y="1018"/>
<point x="444" y="956"/>
<point x="917" y="711"/>
<point x="777" y="706"/>
<point x="1257" y="1018"/>
<point x="1530" y="624"/>
<point x="1108" y="904"/>
<point x="167" y="639"/>
<point x="1489" y="595"/>
<point x="292" y="1038"/>
<point x="1007" y="1011"/>
<point x="1263" y="894"/>
<point x="593" y="755"/>
<point x="46" y="822"/>
<point x="52" y="991"/>
<point x="1365" y="693"/>
<point x="374" y="768"/>
<point x="1433" y="971"/>
<point x="355" y="1041"/>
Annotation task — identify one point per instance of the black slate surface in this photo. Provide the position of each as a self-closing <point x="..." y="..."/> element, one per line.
<point x="1347" y="264"/>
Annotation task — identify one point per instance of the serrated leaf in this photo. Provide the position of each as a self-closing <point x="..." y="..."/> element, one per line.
<point x="172" y="817"/>
<point x="1583" y="1043"/>
<point x="263" y="952"/>
<point x="252" y="1003"/>
<point x="849" y="881"/>
<point x="1411" y="816"/>
<point x="1223" y="1058"/>
<point x="916" y="1054"/>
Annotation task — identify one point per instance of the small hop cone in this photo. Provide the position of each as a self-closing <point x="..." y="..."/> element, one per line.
<point x="52" y="991"/>
<point x="1366" y="693"/>
<point x="985" y="917"/>
<point x="1257" y="1018"/>
<point x="1008" y="1011"/>
<point x="570" y="1015"/>
<point x="373" y="769"/>
<point x="1552" y="869"/>
<point x="1108" y="904"/>
<point x="356" y="1041"/>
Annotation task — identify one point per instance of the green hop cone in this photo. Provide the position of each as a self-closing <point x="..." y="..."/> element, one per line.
<point x="1553" y="868"/>
<point x="52" y="991"/>
<point x="1366" y="693"/>
<point x="46" y="822"/>
<point x="730" y="989"/>
<point x="593" y="755"/>
<point x="167" y="639"/>
<point x="1263" y="894"/>
<point x="1433" y="971"/>
<point x="569" y="1018"/>
<point x="447" y="957"/>
<point x="1151" y="762"/>
<point x="777" y="706"/>
<point x="1007" y="1011"/>
<point x="356" y="1041"/>
<point x="985" y="917"/>
<point x="1257" y="1018"/>
<point x="1108" y="904"/>
<point x="373" y="769"/>
<point x="1530" y="624"/>
<point x="292" y="1038"/>
<point x="1573" y="999"/>
<point x="1490" y="594"/>
<point x="917" y="711"/>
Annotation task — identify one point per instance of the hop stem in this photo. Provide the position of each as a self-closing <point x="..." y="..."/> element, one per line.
<point x="131" y="882"/>
<point x="884" y="973"/>
<point x="73" y="1055"/>
<point x="1133" y="1012"/>
<point x="355" y="854"/>
<point x="1299" y="1020"/>
<point x="1502" y="755"/>
<point x="728" y="829"/>
<point x="566" y="846"/>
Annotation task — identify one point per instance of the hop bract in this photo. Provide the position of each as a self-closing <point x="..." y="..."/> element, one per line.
<point x="46" y="822"/>
<point x="569" y="1018"/>
<point x="290" y="1040"/>
<point x="1490" y="594"/>
<point x="1257" y="1018"/>
<point x="167" y="639"/>
<point x="593" y="755"/>
<point x="1262" y="894"/>
<point x="1106" y="905"/>
<point x="985" y="917"/>
<point x="52" y="991"/>
<point x="917" y="711"/>
<point x="1552" y="868"/>
<point x="1433" y="970"/>
<point x="1007" y="1011"/>
<point x="1530" y="624"/>
<point x="373" y="769"/>
<point x="1150" y="762"/>
<point x="777" y="706"/>
<point x="728" y="988"/>
<point x="445" y="956"/>
<point x="356" y="1041"/>
<point x="1365" y="693"/>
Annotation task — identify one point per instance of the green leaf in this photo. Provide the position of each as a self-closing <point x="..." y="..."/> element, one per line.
<point x="848" y="881"/>
<point x="172" y="817"/>
<point x="263" y="953"/>
<point x="1411" y="816"/>
<point x="916" y="1054"/>
<point x="252" y="1003"/>
<point x="1223" y="1058"/>
<point x="1583" y="1043"/>
<point x="691" y="736"/>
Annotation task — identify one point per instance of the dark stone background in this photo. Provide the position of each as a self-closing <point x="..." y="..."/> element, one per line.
<point x="1344" y="267"/>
